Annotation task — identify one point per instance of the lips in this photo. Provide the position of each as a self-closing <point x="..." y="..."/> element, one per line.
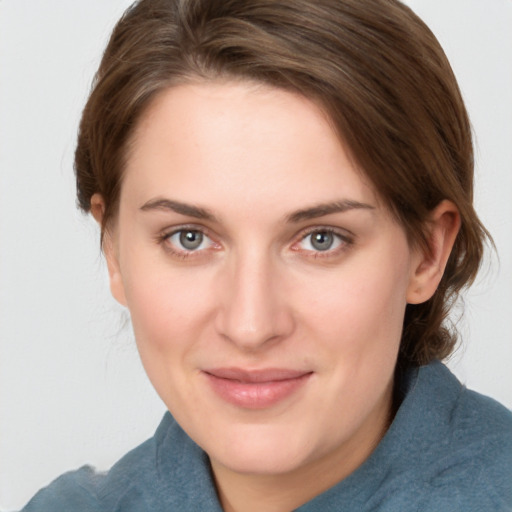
<point x="255" y="389"/>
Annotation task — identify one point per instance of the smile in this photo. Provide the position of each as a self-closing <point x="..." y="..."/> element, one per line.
<point x="257" y="389"/>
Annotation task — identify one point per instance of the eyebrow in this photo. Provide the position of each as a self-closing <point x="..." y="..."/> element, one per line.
<point x="178" y="207"/>
<point x="313" y="212"/>
<point x="320" y="210"/>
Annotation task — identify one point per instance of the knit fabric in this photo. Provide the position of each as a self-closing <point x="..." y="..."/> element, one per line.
<point x="448" y="450"/>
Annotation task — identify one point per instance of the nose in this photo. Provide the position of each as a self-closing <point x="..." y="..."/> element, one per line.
<point x="253" y="312"/>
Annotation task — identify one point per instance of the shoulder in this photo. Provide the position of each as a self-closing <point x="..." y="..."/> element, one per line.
<point x="75" y="490"/>
<point x="469" y="460"/>
<point x="86" y="490"/>
<point x="469" y="420"/>
<point x="167" y="472"/>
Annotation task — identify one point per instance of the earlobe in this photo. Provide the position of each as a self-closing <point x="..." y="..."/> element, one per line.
<point x="114" y="271"/>
<point x="109" y="250"/>
<point x="428" y="269"/>
<point x="98" y="208"/>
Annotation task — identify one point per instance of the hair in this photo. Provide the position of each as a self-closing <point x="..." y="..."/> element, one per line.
<point x="372" y="65"/>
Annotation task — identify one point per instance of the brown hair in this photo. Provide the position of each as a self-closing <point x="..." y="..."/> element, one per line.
<point x="373" y="65"/>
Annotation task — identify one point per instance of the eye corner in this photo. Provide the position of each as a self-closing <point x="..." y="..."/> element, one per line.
<point x="332" y="242"/>
<point x="187" y="241"/>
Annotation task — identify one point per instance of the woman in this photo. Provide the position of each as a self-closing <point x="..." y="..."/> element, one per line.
<point x="284" y="191"/>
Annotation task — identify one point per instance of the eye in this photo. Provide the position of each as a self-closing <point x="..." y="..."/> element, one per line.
<point x="189" y="240"/>
<point x="322" y="240"/>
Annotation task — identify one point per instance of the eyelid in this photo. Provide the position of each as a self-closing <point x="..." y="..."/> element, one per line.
<point x="345" y="236"/>
<point x="165" y="234"/>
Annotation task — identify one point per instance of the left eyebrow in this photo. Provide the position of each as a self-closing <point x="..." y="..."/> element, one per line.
<point x="320" y="210"/>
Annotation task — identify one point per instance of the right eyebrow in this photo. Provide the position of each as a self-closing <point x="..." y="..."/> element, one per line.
<point x="188" y="210"/>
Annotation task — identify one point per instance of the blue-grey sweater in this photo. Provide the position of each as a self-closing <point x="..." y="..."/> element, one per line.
<point x="448" y="449"/>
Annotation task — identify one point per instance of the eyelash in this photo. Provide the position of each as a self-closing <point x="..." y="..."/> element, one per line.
<point x="164" y="240"/>
<point x="344" y="242"/>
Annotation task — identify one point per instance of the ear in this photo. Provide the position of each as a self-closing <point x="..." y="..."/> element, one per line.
<point x="428" y="267"/>
<point x="110" y="250"/>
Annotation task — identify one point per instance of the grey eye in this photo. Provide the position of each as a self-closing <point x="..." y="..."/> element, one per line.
<point x="187" y="240"/>
<point x="322" y="240"/>
<point x="190" y="239"/>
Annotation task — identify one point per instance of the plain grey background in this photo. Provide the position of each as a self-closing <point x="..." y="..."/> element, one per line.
<point x="72" y="390"/>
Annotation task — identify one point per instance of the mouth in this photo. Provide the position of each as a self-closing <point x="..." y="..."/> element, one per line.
<point x="255" y="389"/>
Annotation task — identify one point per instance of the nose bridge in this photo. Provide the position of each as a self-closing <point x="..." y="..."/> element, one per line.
<point x="252" y="312"/>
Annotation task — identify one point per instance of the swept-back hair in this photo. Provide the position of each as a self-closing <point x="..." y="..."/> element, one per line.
<point x="372" y="65"/>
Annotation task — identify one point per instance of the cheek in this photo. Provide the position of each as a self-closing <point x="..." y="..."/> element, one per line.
<point x="169" y="314"/>
<point x="168" y="307"/>
<point x="360" y="308"/>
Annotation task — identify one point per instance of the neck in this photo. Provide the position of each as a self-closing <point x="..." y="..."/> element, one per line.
<point x="245" y="492"/>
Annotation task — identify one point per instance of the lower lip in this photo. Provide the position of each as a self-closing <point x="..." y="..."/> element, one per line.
<point x="256" y="395"/>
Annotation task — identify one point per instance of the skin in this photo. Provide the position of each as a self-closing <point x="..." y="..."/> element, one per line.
<point x="257" y="293"/>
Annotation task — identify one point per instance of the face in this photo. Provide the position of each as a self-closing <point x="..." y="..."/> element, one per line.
<point x="265" y="280"/>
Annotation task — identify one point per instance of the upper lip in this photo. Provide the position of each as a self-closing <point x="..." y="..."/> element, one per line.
<point x="255" y="376"/>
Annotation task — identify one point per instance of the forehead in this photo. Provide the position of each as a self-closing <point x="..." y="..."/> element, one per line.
<point x="220" y="139"/>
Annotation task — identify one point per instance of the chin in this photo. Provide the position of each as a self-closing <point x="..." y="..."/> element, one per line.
<point x="262" y="449"/>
